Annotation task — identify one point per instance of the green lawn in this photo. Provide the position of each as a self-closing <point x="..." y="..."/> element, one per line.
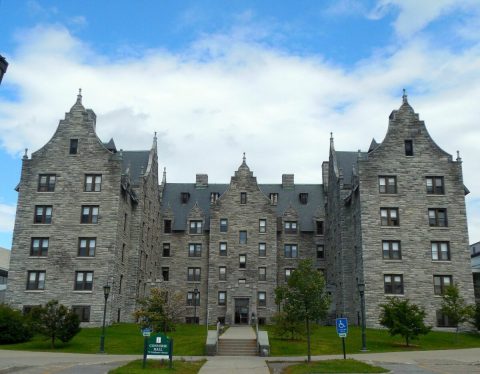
<point x="124" y="338"/>
<point x="334" y="366"/>
<point x="325" y="340"/>
<point x="155" y="366"/>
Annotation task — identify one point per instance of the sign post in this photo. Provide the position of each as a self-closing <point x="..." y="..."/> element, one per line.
<point x="146" y="333"/>
<point x="342" y="331"/>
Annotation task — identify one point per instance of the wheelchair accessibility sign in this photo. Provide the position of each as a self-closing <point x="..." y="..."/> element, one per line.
<point x="342" y="327"/>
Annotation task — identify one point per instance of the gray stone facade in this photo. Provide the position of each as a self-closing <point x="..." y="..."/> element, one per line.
<point x="376" y="218"/>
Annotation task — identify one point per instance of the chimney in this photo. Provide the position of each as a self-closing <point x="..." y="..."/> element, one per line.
<point x="288" y="182"/>
<point x="201" y="181"/>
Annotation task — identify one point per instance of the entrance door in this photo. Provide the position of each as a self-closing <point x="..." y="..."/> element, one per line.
<point x="241" y="311"/>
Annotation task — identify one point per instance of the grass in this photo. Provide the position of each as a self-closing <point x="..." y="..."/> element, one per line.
<point x="324" y="340"/>
<point x="123" y="338"/>
<point x="333" y="366"/>
<point x="159" y="366"/>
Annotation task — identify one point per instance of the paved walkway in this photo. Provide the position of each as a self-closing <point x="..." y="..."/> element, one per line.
<point x="239" y="332"/>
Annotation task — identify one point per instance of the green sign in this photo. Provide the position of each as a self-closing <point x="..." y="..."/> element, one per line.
<point x="159" y="346"/>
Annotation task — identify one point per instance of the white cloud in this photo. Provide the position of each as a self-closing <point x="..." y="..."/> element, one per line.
<point x="7" y="217"/>
<point x="225" y="95"/>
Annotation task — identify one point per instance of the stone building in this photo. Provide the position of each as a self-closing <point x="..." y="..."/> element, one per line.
<point x="392" y="218"/>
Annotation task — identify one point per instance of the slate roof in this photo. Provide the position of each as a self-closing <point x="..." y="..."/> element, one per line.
<point x="345" y="161"/>
<point x="172" y="193"/>
<point x="136" y="162"/>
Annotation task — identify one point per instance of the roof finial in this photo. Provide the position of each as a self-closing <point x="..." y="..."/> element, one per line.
<point x="79" y="96"/>
<point x="244" y="158"/>
<point x="25" y="156"/>
<point x="404" y="96"/>
<point x="164" y="178"/>
<point x="458" y="156"/>
<point x="331" y="140"/>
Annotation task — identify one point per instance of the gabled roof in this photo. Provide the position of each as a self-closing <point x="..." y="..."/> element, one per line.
<point x="345" y="161"/>
<point x="286" y="198"/>
<point x="134" y="163"/>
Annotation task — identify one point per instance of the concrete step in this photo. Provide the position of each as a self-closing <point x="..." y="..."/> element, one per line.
<point x="237" y="347"/>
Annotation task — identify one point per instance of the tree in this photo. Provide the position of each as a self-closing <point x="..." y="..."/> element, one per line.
<point x="56" y="321"/>
<point x="304" y="298"/>
<point x="14" y="327"/>
<point x="287" y="325"/>
<point x="402" y="318"/>
<point x="160" y="310"/>
<point x="455" y="308"/>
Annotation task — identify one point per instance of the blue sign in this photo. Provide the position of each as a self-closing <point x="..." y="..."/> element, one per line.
<point x="146" y="331"/>
<point x="342" y="327"/>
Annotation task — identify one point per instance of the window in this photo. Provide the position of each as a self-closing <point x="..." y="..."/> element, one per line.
<point x="393" y="284"/>
<point x="288" y="273"/>
<point x="222" y="249"/>
<point x="262" y="249"/>
<point x="46" y="182"/>
<point x="223" y="225"/>
<point x="242" y="281"/>
<point x="184" y="197"/>
<point x="242" y="261"/>
<point x="441" y="251"/>
<point x="193" y="298"/>
<point x="437" y="217"/>
<point x="262" y="225"/>
<point x="440" y="283"/>
<point x="387" y="184"/>
<point x="195" y="227"/>
<point x="291" y="251"/>
<point x="193" y="274"/>
<point x="43" y="214"/>
<point x="262" y="298"/>
<point x="319" y="227"/>
<point x="290" y="227"/>
<point x="243" y="197"/>
<point x="243" y="237"/>
<point x="125" y="222"/>
<point x="86" y="247"/>
<point x="73" y="146"/>
<point x="166" y="250"/>
<point x="391" y="250"/>
<point x="408" y="147"/>
<point x="83" y="280"/>
<point x="36" y="280"/>
<point x="320" y="251"/>
<point x="435" y="185"/>
<point x="389" y="217"/>
<point x="442" y="320"/>
<point x="167" y="226"/>
<point x="120" y="284"/>
<point x="165" y="274"/>
<point x="222" y="297"/>
<point x="93" y="182"/>
<point x="213" y="197"/>
<point x="222" y="273"/>
<point x="303" y="197"/>
<point x="39" y="247"/>
<point x="123" y="251"/>
<point x="194" y="250"/>
<point x="89" y="214"/>
<point x="82" y="311"/>
<point x="274" y="198"/>
<point x="262" y="273"/>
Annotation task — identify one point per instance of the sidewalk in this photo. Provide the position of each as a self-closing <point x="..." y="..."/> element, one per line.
<point x="239" y="332"/>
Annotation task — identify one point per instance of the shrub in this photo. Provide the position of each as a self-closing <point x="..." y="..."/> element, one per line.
<point x="14" y="327"/>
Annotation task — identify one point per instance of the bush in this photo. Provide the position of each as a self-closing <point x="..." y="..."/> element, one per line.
<point x="284" y="326"/>
<point x="14" y="327"/>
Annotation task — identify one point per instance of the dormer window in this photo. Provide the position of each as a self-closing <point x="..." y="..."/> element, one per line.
<point x="213" y="197"/>
<point x="319" y="226"/>
<point x="303" y="197"/>
<point x="408" y="147"/>
<point x="274" y="198"/>
<point x="195" y="227"/>
<point x="184" y="197"/>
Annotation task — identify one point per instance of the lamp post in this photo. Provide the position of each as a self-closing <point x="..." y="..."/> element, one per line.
<point x="361" y="291"/>
<point x="195" y="294"/>
<point x="3" y="67"/>
<point x="106" y="292"/>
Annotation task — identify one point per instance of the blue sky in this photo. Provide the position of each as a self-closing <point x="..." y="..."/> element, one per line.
<point x="217" y="78"/>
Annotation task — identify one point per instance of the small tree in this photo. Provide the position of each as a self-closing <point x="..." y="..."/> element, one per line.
<point x="14" y="327"/>
<point x="285" y="325"/>
<point x="455" y="308"/>
<point x="402" y="318"/>
<point x="304" y="297"/>
<point x="56" y="321"/>
<point x="160" y="310"/>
